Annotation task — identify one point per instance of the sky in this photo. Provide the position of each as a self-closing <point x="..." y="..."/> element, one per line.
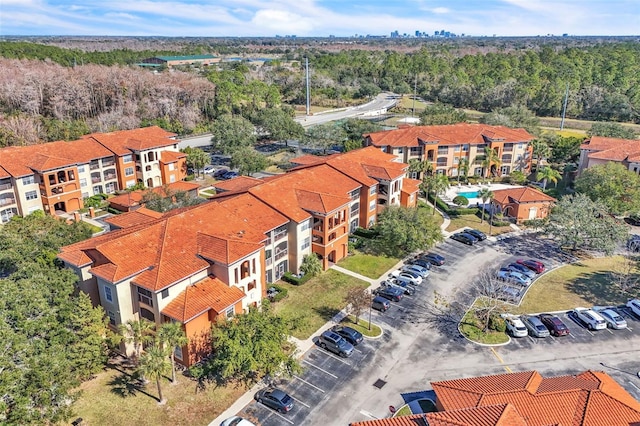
<point x="317" y="18"/>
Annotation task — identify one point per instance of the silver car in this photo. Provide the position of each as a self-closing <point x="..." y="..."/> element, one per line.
<point x="613" y="319"/>
<point x="535" y="326"/>
<point x="423" y="272"/>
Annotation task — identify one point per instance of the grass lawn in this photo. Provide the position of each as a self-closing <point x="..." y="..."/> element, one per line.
<point x="113" y="399"/>
<point x="404" y="411"/>
<point x="362" y="326"/>
<point x="317" y="300"/>
<point x="368" y="265"/>
<point x="473" y="221"/>
<point x="94" y="229"/>
<point x="208" y="192"/>
<point x="472" y="328"/>
<point x="580" y="284"/>
<point x="407" y="102"/>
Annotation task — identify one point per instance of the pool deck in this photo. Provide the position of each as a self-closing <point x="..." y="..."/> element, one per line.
<point x="454" y="190"/>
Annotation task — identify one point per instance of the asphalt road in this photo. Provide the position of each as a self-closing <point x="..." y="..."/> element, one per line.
<point x="414" y="351"/>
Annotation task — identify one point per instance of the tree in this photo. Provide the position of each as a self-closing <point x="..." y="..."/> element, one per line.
<point x="463" y="167"/>
<point x="196" y="158"/>
<point x="438" y="114"/>
<point x="518" y="177"/>
<point x="546" y="174"/>
<point x="403" y="230"/>
<point x="248" y="161"/>
<point x="354" y="129"/>
<point x="489" y="293"/>
<point x="172" y="336"/>
<point x="138" y="332"/>
<point x="358" y="300"/>
<point x="420" y="167"/>
<point x="154" y="363"/>
<point x="613" y="185"/>
<point x="514" y="117"/>
<point x="611" y="130"/>
<point x="576" y="221"/>
<point x="251" y="346"/>
<point x="311" y="265"/>
<point x="565" y="149"/>
<point x="232" y="132"/>
<point x="324" y="136"/>
<point x="489" y="157"/>
<point x="485" y="194"/>
<point x="624" y="276"/>
<point x="541" y="149"/>
<point x="164" y="199"/>
<point x="439" y="186"/>
<point x="278" y="124"/>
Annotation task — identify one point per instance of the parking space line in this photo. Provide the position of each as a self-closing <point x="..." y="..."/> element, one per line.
<point x="532" y="340"/>
<point x="572" y="335"/>
<point x="299" y="402"/>
<point x="321" y="369"/>
<point x="277" y="414"/>
<point x="357" y="350"/>
<point x="368" y="414"/>
<point x="610" y="332"/>
<point x="634" y="385"/>
<point x="307" y="383"/>
<point x="337" y="358"/>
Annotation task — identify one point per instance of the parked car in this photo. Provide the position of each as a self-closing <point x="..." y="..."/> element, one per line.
<point x="208" y="169"/>
<point x="380" y="304"/>
<point x="515" y="327"/>
<point x="634" y="305"/>
<point x="219" y="173"/>
<point x="276" y="399"/>
<point x="613" y="319"/>
<point x="335" y="343"/>
<point x="391" y="293"/>
<point x="420" y="262"/>
<point x="522" y="269"/>
<point x="554" y="325"/>
<point x="407" y="288"/>
<point x="481" y="236"/>
<point x="230" y="175"/>
<point x="236" y="421"/>
<point x="514" y="277"/>
<point x="413" y="279"/>
<point x="422" y="272"/>
<point x="535" y="326"/>
<point x="465" y="238"/>
<point x="633" y="244"/>
<point x="592" y="319"/>
<point x="634" y="219"/>
<point x="535" y="265"/>
<point x="509" y="294"/>
<point x="349" y="334"/>
<point x="433" y="258"/>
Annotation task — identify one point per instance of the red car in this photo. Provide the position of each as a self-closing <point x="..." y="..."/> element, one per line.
<point x="534" y="265"/>
<point x="554" y="324"/>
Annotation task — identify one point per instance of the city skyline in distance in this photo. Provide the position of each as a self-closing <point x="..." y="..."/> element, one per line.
<point x="318" y="18"/>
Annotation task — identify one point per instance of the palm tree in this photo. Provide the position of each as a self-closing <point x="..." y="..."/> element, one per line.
<point x="311" y="265"/>
<point x="138" y="333"/>
<point x="490" y="158"/>
<point x="155" y="363"/>
<point x="439" y="186"/>
<point x="172" y="336"/>
<point x="541" y="150"/>
<point x="420" y="167"/>
<point x="546" y="174"/>
<point x="463" y="167"/>
<point x="484" y="194"/>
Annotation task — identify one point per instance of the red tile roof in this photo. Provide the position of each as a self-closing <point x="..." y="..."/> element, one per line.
<point x="240" y="183"/>
<point x="133" y="218"/>
<point x="412" y="420"/>
<point x="451" y="134"/>
<point x="124" y="141"/>
<point x="523" y="194"/>
<point x="410" y="186"/>
<point x="205" y="295"/>
<point x="494" y="415"/>
<point x="167" y="157"/>
<point x="613" y="149"/>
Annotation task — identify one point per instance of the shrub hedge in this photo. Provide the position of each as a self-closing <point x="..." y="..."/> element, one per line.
<point x="294" y="279"/>
<point x="365" y="233"/>
<point x="282" y="292"/>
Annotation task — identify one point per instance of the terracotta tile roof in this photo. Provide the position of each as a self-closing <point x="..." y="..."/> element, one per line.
<point x="240" y="183"/>
<point x="613" y="149"/>
<point x="318" y="202"/>
<point x="410" y="186"/>
<point x="134" y="198"/>
<point x="523" y="194"/>
<point x="4" y="173"/>
<point x="494" y="415"/>
<point x="225" y="250"/>
<point x="412" y="420"/>
<point x="205" y="295"/>
<point x="451" y="134"/>
<point x="305" y="160"/>
<point x="254" y="213"/>
<point x="133" y="218"/>
<point x="167" y="157"/>
<point x="124" y="141"/>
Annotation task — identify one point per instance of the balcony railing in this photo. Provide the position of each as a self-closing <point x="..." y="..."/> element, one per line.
<point x="110" y="176"/>
<point x="107" y="163"/>
<point x="280" y="235"/>
<point x="280" y="254"/>
<point x="94" y="166"/>
<point x="268" y="262"/>
<point x="5" y="186"/>
<point x="95" y="179"/>
<point x="7" y="201"/>
<point x="145" y="299"/>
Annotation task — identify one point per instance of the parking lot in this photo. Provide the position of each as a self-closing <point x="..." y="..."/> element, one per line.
<point x="414" y="351"/>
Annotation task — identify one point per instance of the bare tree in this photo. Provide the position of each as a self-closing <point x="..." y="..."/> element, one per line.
<point x="625" y="275"/>
<point x="358" y="301"/>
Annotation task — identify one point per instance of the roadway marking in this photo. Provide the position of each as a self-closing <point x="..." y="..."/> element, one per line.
<point x="611" y="332"/>
<point x="589" y="331"/>
<point x="357" y="350"/>
<point x="307" y="383"/>
<point x="300" y="402"/>
<point x="506" y="367"/>
<point x="324" y="371"/>
<point x="368" y="414"/>
<point x="336" y="358"/>
<point x="277" y="414"/>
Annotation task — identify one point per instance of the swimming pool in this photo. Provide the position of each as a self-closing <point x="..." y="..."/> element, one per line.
<point x="469" y="195"/>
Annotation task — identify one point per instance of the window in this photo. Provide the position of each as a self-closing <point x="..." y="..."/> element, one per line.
<point x="127" y="158"/>
<point x="456" y="148"/>
<point x="112" y="318"/>
<point x="31" y="195"/>
<point x="97" y="190"/>
<point x="305" y="225"/>
<point x="305" y="243"/>
<point x="230" y="312"/>
<point x="177" y="353"/>
<point x="465" y="148"/>
<point x="85" y="195"/>
<point x="128" y="171"/>
<point x="110" y="188"/>
<point x="172" y="179"/>
<point x="172" y="167"/>
<point x="28" y="180"/>
<point x="131" y="183"/>
<point x="521" y="146"/>
<point x="443" y="150"/>
<point x="83" y="182"/>
<point x="477" y="171"/>
<point x="107" y="294"/>
<point x="372" y="205"/>
<point x="144" y="296"/>
<point x="5" y="215"/>
<point x="253" y="266"/>
<point x="165" y="293"/>
<point x="80" y="169"/>
<point x="456" y="160"/>
<point x="373" y="190"/>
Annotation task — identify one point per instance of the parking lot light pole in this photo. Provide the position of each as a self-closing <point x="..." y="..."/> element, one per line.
<point x="370" y="307"/>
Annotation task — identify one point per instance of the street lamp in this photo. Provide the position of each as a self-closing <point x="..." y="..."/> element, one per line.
<point x="370" y="307"/>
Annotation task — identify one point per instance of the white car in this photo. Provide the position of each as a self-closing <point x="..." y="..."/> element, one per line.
<point x="515" y="326"/>
<point x="208" y="170"/>
<point x="236" y="421"/>
<point x="423" y="272"/>
<point x="406" y="276"/>
<point x="634" y="305"/>
<point x="613" y="319"/>
<point x="591" y="318"/>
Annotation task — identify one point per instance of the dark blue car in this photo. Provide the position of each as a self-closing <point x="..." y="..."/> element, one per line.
<point x="276" y="399"/>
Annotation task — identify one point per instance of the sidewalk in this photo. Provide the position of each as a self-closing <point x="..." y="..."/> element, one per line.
<point x="303" y="345"/>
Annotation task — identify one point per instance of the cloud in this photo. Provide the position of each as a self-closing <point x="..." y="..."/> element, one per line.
<point x="282" y="22"/>
<point x="440" y="10"/>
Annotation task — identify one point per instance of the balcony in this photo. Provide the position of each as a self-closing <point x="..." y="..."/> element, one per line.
<point x="108" y="162"/>
<point x="280" y="235"/>
<point x="7" y="201"/>
<point x="268" y="262"/>
<point x="96" y="180"/>
<point x="6" y="186"/>
<point x="317" y="239"/>
<point x="281" y="254"/>
<point x="268" y="242"/>
<point x="109" y="176"/>
<point x="94" y="165"/>
<point x="145" y="299"/>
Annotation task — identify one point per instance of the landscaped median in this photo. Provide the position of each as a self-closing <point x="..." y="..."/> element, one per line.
<point x="367" y="329"/>
<point x="475" y="327"/>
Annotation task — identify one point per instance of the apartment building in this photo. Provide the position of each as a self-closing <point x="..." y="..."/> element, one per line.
<point x="445" y="146"/>
<point x="57" y="176"/>
<point x="600" y="150"/>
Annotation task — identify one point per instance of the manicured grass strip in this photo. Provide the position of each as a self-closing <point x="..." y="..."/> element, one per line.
<point x="586" y="283"/>
<point x="473" y="221"/>
<point x="317" y="301"/>
<point x="368" y="265"/>
<point x="362" y="326"/>
<point x="404" y="411"/>
<point x="112" y="398"/>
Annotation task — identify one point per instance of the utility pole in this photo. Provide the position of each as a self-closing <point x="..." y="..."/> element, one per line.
<point x="564" y="107"/>
<point x="306" y="65"/>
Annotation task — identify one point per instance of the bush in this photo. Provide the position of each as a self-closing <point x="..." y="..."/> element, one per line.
<point x="190" y="177"/>
<point x="282" y="292"/>
<point x="365" y="233"/>
<point x="459" y="200"/>
<point x="295" y="279"/>
<point x="497" y="323"/>
<point x="472" y="180"/>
